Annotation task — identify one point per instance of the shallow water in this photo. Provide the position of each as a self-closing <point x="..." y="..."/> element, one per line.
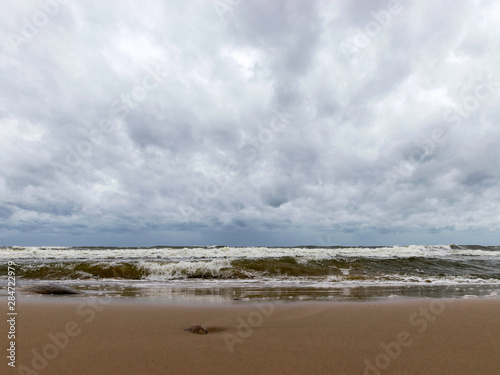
<point x="222" y="274"/>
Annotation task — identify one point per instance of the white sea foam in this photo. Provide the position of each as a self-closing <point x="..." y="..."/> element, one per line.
<point x="396" y="279"/>
<point x="62" y="253"/>
<point x="183" y="270"/>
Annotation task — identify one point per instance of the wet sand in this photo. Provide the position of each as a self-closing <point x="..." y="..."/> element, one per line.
<point x="87" y="336"/>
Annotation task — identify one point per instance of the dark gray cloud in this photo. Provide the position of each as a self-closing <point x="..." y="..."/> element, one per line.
<point x="261" y="122"/>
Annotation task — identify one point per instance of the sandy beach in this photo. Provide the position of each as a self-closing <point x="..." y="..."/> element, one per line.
<point x="88" y="336"/>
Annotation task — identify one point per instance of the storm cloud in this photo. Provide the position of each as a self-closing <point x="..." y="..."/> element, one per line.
<point x="249" y="122"/>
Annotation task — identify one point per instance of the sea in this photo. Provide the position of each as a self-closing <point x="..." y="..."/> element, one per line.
<point x="237" y="274"/>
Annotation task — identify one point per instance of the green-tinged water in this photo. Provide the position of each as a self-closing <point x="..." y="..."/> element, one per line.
<point x="240" y="274"/>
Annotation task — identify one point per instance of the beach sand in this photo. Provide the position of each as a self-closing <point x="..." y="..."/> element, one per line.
<point x="396" y="337"/>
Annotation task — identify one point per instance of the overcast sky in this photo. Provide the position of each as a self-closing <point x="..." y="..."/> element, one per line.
<point x="249" y="122"/>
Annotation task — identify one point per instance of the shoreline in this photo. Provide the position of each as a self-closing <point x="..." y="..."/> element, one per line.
<point x="403" y="336"/>
<point x="227" y="293"/>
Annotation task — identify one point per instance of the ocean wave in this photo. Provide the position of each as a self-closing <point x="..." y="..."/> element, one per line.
<point x="210" y="253"/>
<point x="182" y="270"/>
<point x="282" y="268"/>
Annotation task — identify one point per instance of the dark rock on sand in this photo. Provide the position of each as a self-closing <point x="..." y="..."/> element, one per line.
<point x="197" y="329"/>
<point x="50" y="289"/>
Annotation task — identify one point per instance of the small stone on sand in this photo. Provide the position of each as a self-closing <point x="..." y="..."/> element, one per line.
<point x="197" y="329"/>
<point x="50" y="289"/>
